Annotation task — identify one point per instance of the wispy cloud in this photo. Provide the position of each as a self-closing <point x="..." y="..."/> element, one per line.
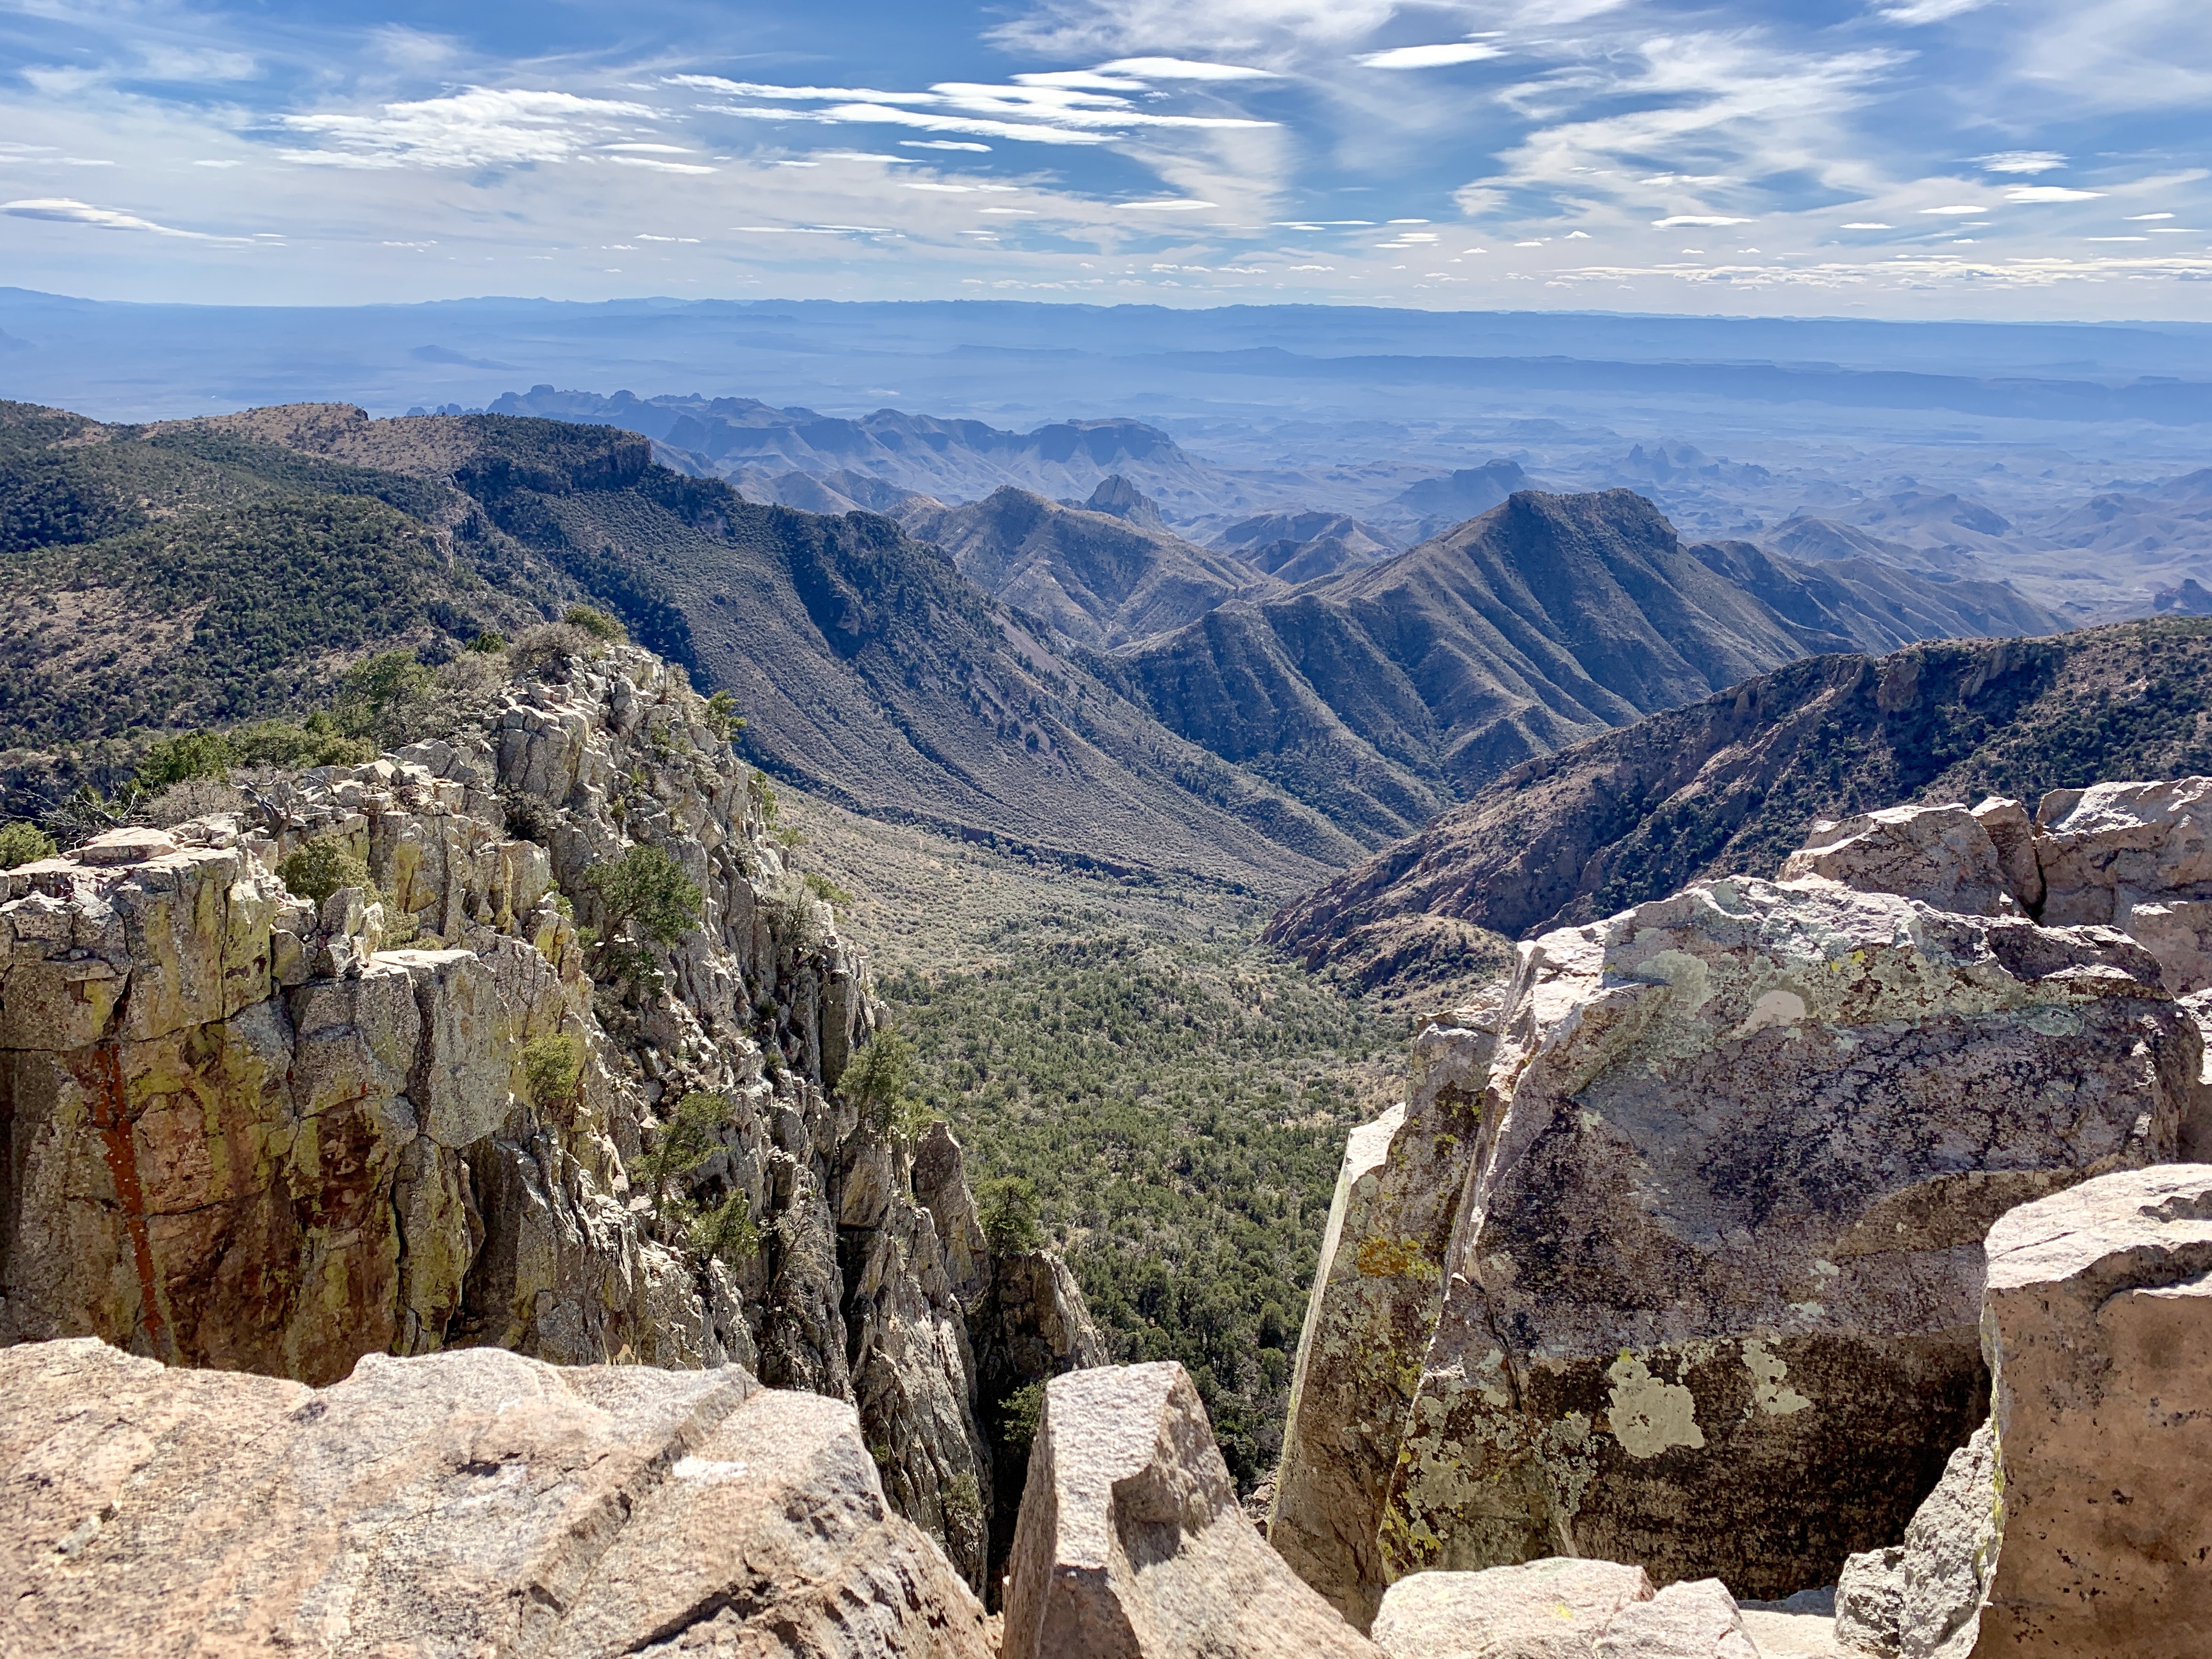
<point x="63" y="210"/>
<point x="2022" y="160"/>
<point x="477" y="128"/>
<point x="1439" y="56"/>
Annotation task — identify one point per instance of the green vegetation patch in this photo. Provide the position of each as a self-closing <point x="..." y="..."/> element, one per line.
<point x="1180" y="1110"/>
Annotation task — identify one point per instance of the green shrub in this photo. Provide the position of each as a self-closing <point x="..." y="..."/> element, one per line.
<point x="180" y="759"/>
<point x="321" y="866"/>
<point x="722" y="717"/>
<point x="726" y="1233"/>
<point x="488" y="643"/>
<point x="645" y="890"/>
<point x="688" y="1139"/>
<point x="552" y="1067"/>
<point x="836" y="898"/>
<point x="1020" y="1413"/>
<point x="882" y="1084"/>
<point x="1008" y="1209"/>
<point x="600" y="625"/>
<point x="316" y="742"/>
<point x="546" y="650"/>
<point x="23" y="842"/>
<point x="374" y="687"/>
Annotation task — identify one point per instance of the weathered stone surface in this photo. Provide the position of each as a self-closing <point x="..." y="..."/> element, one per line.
<point x="1941" y="854"/>
<point x="1779" y="1635"/>
<point x="239" y="1133"/>
<point x="450" y="1506"/>
<point x="2011" y="831"/>
<point x="1871" y="1598"/>
<point x="1132" y="1545"/>
<point x="1948" y="1551"/>
<point x="1554" y="1607"/>
<point x="1729" y="1228"/>
<point x="2108" y="848"/>
<point x="2098" y="1318"/>
<point x="940" y="1186"/>
<point x="1696" y="1619"/>
<point x="1375" y="1297"/>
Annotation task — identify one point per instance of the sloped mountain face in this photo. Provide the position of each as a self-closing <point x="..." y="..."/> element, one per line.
<point x="1383" y="695"/>
<point x="1303" y="547"/>
<point x="1811" y="540"/>
<point x="1879" y="606"/>
<point x="1117" y="498"/>
<point x="869" y="668"/>
<point x="1100" y="579"/>
<point x="1728" y="786"/>
<point x="832" y="492"/>
<point x="1462" y="493"/>
<point x="952" y="459"/>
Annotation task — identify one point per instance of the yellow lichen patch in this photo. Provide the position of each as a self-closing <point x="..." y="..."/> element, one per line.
<point x="1393" y="1258"/>
<point x="1768" y="1391"/>
<point x="1648" y="1415"/>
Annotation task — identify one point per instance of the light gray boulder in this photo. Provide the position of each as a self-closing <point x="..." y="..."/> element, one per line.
<point x="1920" y="1599"/>
<point x="1131" y="1544"/>
<point x="1694" y="1619"/>
<point x="1552" y="1609"/>
<point x="1942" y="855"/>
<point x="2098" y="1318"/>
<point x="449" y="1506"/>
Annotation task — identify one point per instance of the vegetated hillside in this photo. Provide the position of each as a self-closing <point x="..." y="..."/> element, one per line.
<point x="1100" y="579"/>
<point x="1383" y="695"/>
<point x="1305" y="546"/>
<point x="171" y="576"/>
<point x="867" y="665"/>
<point x="951" y="459"/>
<point x="1729" y="784"/>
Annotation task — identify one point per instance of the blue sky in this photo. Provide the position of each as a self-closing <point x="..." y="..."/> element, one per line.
<point x="2041" y="158"/>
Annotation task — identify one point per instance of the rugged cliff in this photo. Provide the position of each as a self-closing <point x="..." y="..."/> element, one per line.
<point x="472" y="1098"/>
<point x="1676" y="1258"/>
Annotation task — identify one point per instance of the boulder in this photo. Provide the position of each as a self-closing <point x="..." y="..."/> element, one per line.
<point x="1132" y="1545"/>
<point x="459" y="1503"/>
<point x="1919" y="1599"/>
<point x="2098" y="1319"/>
<point x="1375" y="1300"/>
<point x="1690" y="1620"/>
<point x="1728" y="1227"/>
<point x="1556" y="1608"/>
<point x="2108" y="849"/>
<point x="1942" y="855"/>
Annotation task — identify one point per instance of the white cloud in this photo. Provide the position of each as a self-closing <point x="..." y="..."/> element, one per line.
<point x="2139" y="217"/>
<point x="658" y="167"/>
<point x="651" y="150"/>
<point x="1696" y="222"/>
<point x="2022" y="160"/>
<point x="1407" y="58"/>
<point x="61" y="209"/>
<point x="1169" y="207"/>
<point x="1868" y="224"/>
<point x="1182" y="68"/>
<point x="942" y="144"/>
<point x="1957" y="210"/>
<point x="2050" y="193"/>
<point x="1913" y="12"/>
<point x="479" y="127"/>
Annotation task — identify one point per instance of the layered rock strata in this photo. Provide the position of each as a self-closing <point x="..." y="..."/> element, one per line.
<point x="1717" y="1218"/>
<point x="1131" y="1544"/>
<point x="246" y="1131"/>
<point x="459" y="1503"/>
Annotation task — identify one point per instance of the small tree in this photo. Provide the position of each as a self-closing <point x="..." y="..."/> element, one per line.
<point x="321" y="866"/>
<point x="598" y="623"/>
<point x="552" y="1067"/>
<point x="688" y="1139"/>
<point x="645" y="890"/>
<point x="1008" y="1211"/>
<point x="722" y="717"/>
<point x="490" y="643"/>
<point x="881" y="1084"/>
<point x="375" y="686"/>
<point x="727" y="1232"/>
<point x="179" y="759"/>
<point x="23" y="842"/>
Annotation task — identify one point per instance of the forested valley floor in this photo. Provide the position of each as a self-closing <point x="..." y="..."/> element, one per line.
<point x="1178" y="1092"/>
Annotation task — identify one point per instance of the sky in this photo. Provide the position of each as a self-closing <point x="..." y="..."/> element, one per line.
<point x="1885" y="158"/>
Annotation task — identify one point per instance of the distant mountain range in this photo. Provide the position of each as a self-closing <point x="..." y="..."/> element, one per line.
<point x="1072" y="679"/>
<point x="1727" y="785"/>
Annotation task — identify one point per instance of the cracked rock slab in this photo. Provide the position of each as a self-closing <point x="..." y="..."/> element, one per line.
<point x="464" y="1506"/>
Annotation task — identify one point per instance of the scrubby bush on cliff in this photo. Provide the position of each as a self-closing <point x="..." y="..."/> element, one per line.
<point x="645" y="892"/>
<point x="180" y="759"/>
<point x="194" y="797"/>
<point x="320" y="868"/>
<point x="24" y="843"/>
<point x="315" y="741"/>
<point x="883" y="1084"/>
<point x="597" y="623"/>
<point x="1007" y="1208"/>
<point x="545" y="652"/>
<point x="552" y="1067"/>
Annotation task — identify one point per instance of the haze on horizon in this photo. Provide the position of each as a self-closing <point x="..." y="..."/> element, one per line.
<point x="1877" y="158"/>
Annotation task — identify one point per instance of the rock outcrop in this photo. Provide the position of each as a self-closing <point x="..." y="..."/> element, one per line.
<point x="1376" y="1294"/>
<point x="456" y="1504"/>
<point x="250" y="1132"/>
<point x="1921" y="1599"/>
<point x="1712" y="1215"/>
<point x="1131" y="1544"/>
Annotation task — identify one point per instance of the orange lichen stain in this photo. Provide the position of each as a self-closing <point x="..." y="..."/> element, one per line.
<point x="104" y="1088"/>
<point x="1388" y="1258"/>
